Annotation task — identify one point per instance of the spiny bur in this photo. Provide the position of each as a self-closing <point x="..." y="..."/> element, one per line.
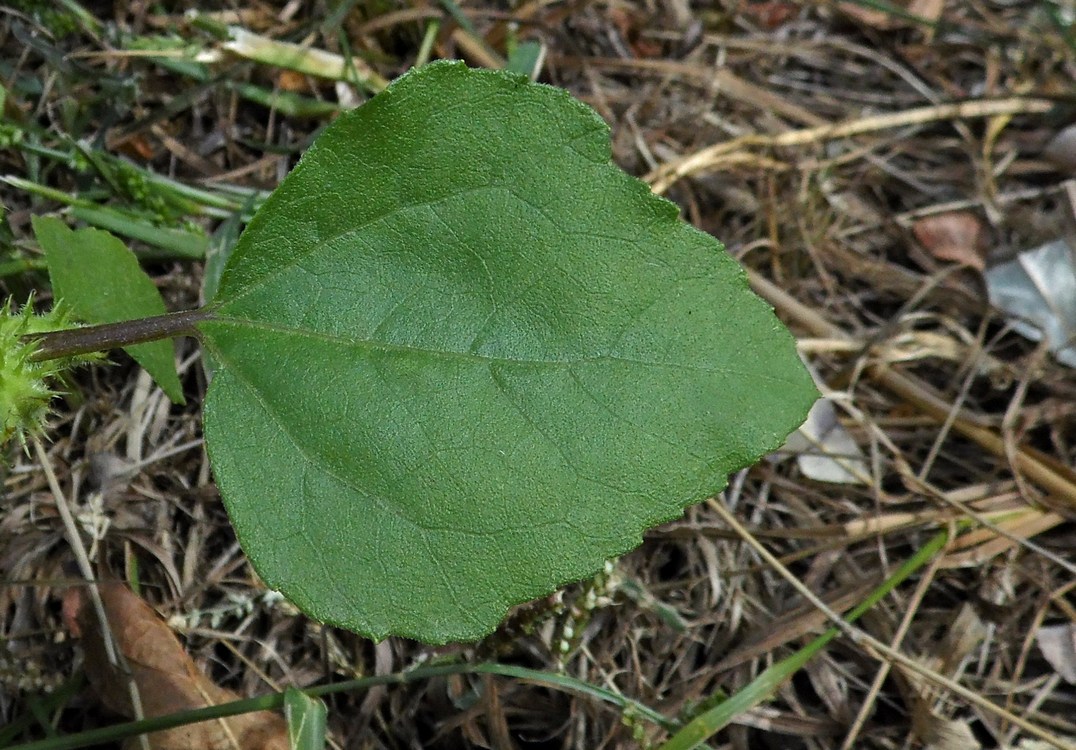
<point x="26" y="385"/>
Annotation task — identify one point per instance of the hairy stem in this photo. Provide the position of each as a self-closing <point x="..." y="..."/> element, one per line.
<point x="71" y="341"/>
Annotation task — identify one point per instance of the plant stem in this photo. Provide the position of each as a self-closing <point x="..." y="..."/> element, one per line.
<point x="71" y="341"/>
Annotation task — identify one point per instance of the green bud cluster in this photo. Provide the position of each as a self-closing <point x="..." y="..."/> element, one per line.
<point x="137" y="187"/>
<point x="26" y="385"/>
<point x="10" y="135"/>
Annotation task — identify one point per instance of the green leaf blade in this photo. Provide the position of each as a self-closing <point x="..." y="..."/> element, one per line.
<point x="472" y="372"/>
<point x="95" y="274"/>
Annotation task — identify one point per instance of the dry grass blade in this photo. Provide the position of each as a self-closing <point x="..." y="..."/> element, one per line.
<point x="712" y="157"/>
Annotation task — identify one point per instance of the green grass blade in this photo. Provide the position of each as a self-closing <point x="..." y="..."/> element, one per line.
<point x="285" y="102"/>
<point x="175" y="243"/>
<point x="275" y="701"/>
<point x="306" y="720"/>
<point x="20" y="266"/>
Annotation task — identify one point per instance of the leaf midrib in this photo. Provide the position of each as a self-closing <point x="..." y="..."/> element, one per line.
<point x="445" y="354"/>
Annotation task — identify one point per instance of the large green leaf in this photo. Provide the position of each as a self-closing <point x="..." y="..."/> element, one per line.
<point x="464" y="359"/>
<point x="100" y="279"/>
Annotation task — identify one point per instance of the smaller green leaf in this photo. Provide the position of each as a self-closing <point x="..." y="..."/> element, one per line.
<point x="100" y="280"/>
<point x="306" y="720"/>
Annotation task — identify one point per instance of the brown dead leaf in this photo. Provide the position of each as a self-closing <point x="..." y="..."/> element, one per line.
<point x="1061" y="151"/>
<point x="167" y="679"/>
<point x="941" y="733"/>
<point x="964" y="635"/>
<point x="1058" y="646"/>
<point x="956" y="236"/>
<point x="803" y="620"/>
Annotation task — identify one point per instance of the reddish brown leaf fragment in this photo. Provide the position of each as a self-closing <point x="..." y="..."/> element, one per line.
<point x="957" y="236"/>
<point x="771" y="15"/>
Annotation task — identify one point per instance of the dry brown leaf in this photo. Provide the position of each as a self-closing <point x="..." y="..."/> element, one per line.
<point x="956" y="236"/>
<point x="941" y="733"/>
<point x="167" y="679"/>
<point x="1058" y="646"/>
<point x="803" y="620"/>
<point x="1061" y="150"/>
